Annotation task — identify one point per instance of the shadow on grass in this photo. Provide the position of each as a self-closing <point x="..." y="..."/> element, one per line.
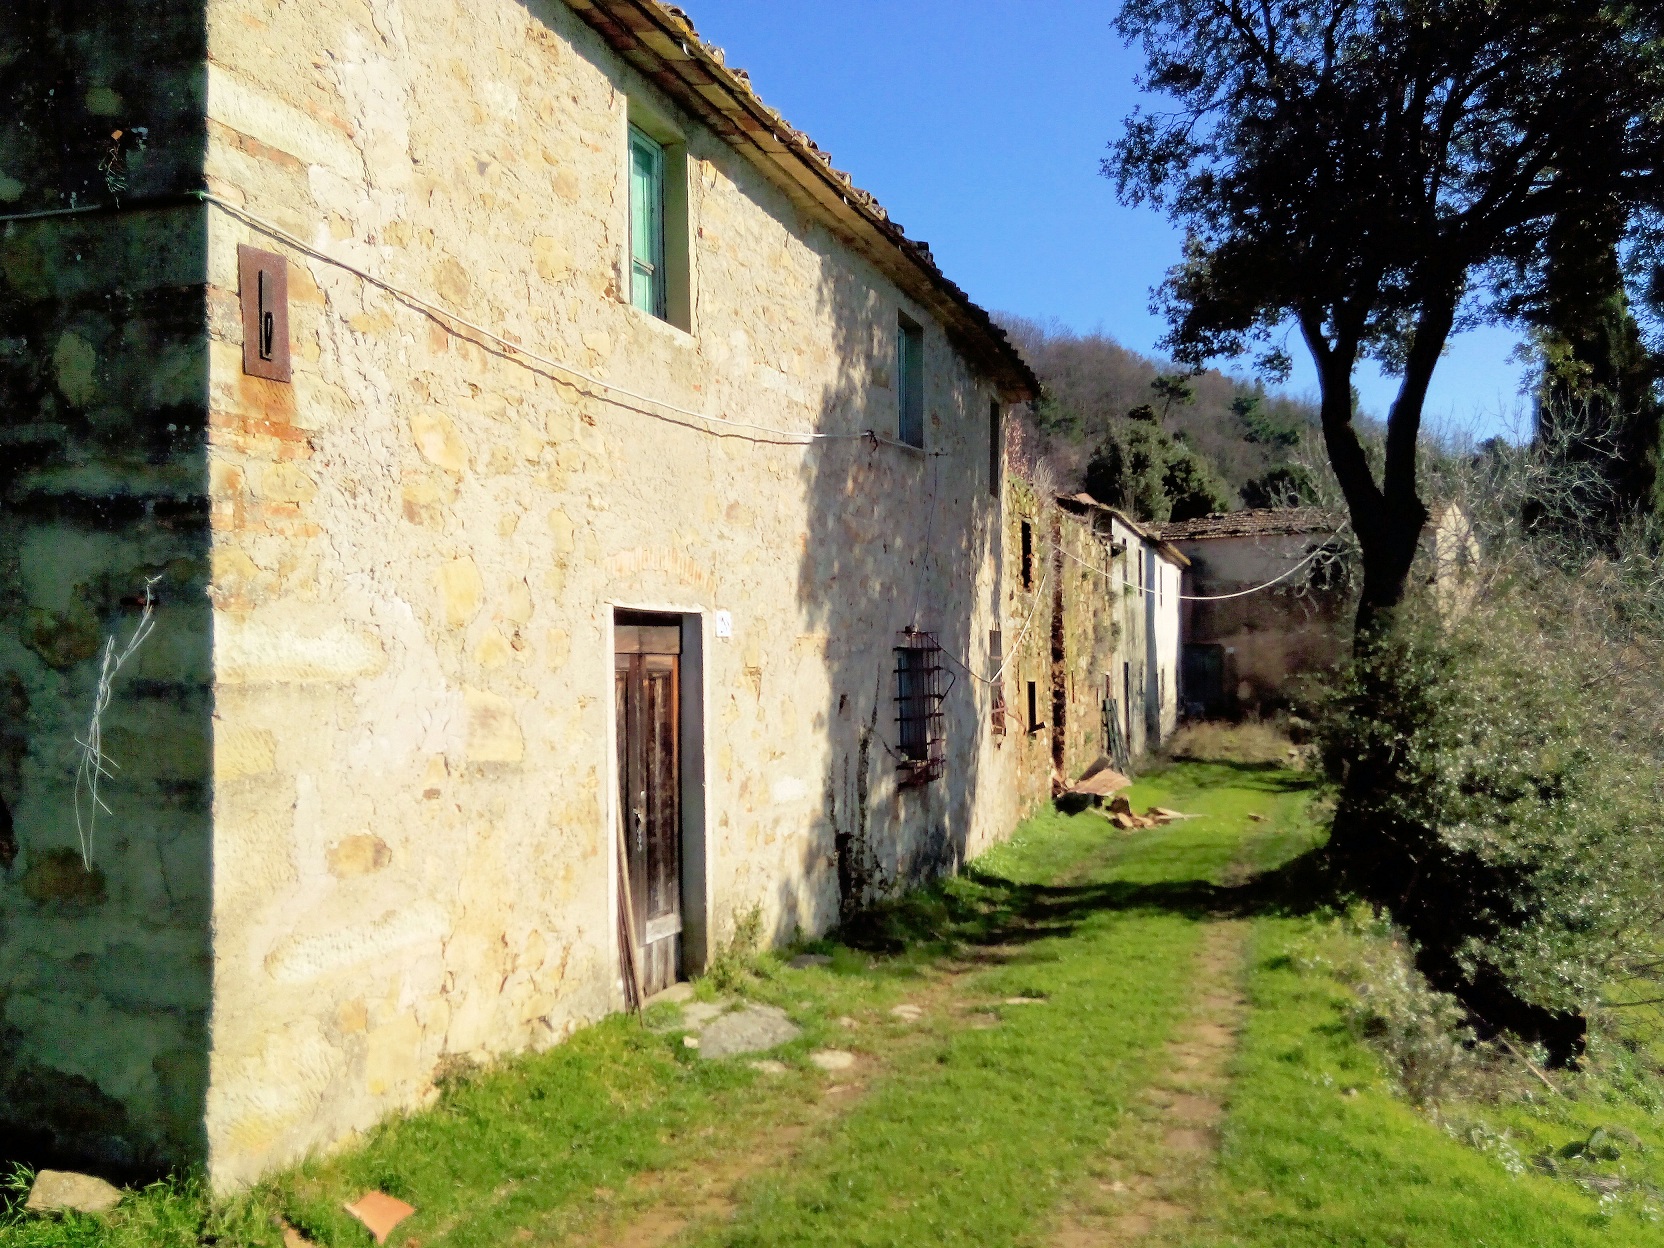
<point x="984" y="909"/>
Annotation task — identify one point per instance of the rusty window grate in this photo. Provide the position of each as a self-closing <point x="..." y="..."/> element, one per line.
<point x="922" y="682"/>
<point x="996" y="660"/>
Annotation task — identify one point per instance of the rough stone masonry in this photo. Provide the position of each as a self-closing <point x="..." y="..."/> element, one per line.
<point x="367" y="792"/>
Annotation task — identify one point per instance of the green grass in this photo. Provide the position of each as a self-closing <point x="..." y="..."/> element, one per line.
<point x="971" y="1135"/>
<point x="978" y="1144"/>
<point x="1318" y="1150"/>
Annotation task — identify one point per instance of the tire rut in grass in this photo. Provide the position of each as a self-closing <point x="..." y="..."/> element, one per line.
<point x="1158" y="1159"/>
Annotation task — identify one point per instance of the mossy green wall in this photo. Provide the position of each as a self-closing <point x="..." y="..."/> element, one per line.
<point x="103" y="400"/>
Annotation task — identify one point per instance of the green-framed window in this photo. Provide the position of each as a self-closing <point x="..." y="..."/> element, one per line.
<point x="910" y="381"/>
<point x="647" y="267"/>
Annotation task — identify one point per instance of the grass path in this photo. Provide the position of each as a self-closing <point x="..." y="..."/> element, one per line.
<point x="1163" y="1152"/>
<point x="984" y="1141"/>
<point x="1123" y="1039"/>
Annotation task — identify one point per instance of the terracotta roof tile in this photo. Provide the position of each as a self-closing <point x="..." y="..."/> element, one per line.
<point x="1260" y="522"/>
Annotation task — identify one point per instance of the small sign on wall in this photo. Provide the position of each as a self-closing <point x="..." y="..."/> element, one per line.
<point x="724" y="624"/>
<point x="263" y="282"/>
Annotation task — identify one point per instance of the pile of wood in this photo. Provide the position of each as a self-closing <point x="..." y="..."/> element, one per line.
<point x="1123" y="816"/>
<point x="1102" y="781"/>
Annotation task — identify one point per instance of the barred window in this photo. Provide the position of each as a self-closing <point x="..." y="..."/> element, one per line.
<point x="920" y="681"/>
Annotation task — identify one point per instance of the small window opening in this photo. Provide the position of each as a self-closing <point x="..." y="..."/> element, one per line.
<point x="1034" y="724"/>
<point x="910" y="380"/>
<point x="660" y="280"/>
<point x="1028" y="555"/>
<point x="996" y="446"/>
<point x="921" y="685"/>
<point x="996" y="661"/>
<point x="647" y="266"/>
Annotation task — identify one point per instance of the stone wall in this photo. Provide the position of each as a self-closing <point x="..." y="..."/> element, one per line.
<point x="1269" y="641"/>
<point x="104" y="967"/>
<point x="1091" y="632"/>
<point x="419" y="544"/>
<point x="1027" y="625"/>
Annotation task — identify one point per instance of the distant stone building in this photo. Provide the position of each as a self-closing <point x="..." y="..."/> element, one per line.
<point x="1248" y="635"/>
<point x="1091" y="667"/>
<point x="1119" y="665"/>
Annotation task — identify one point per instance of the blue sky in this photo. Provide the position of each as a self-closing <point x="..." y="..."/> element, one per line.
<point x="980" y="125"/>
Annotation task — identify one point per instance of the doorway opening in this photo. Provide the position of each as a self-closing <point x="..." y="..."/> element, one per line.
<point x="657" y="688"/>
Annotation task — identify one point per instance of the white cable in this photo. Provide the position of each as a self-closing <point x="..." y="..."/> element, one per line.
<point x="794" y="437"/>
<point x="1015" y="645"/>
<point x="1241" y="593"/>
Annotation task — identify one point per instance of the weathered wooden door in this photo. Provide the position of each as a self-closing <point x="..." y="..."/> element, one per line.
<point x="648" y="683"/>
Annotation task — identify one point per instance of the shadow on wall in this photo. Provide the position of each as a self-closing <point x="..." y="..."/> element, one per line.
<point x="104" y="972"/>
<point x="896" y="538"/>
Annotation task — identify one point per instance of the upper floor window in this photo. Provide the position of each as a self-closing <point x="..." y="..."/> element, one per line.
<point x="910" y="380"/>
<point x="996" y="446"/>
<point x="661" y="261"/>
<point x="647" y="266"/>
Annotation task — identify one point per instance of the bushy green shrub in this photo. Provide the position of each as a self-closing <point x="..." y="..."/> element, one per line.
<point x="1493" y="798"/>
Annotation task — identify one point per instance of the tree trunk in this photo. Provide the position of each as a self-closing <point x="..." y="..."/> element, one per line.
<point x="1388" y="517"/>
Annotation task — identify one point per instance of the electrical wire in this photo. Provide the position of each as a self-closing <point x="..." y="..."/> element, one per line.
<point x="1016" y="645"/>
<point x="1143" y="589"/>
<point x="516" y="353"/>
<point x="1122" y="581"/>
<point x="504" y="347"/>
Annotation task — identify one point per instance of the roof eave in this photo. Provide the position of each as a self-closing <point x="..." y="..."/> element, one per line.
<point x="662" y="45"/>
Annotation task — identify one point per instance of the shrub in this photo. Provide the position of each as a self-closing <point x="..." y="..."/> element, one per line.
<point x="1497" y="757"/>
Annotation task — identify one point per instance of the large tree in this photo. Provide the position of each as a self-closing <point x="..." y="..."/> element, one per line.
<point x="1376" y="174"/>
<point x="1598" y="407"/>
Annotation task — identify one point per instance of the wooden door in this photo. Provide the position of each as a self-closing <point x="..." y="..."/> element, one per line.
<point x="647" y="680"/>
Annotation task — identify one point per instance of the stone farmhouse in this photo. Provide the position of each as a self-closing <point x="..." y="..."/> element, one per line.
<point x="1243" y="650"/>
<point x="481" y="493"/>
<point x="1268" y="603"/>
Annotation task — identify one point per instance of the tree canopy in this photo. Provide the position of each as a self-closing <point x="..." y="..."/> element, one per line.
<point x="1378" y="174"/>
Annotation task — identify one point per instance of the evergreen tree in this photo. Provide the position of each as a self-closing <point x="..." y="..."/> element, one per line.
<point x="1598" y="404"/>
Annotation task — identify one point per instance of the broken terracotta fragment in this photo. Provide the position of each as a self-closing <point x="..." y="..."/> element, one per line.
<point x="379" y="1212"/>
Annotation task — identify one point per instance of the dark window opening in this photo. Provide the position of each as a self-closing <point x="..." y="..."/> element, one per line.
<point x="910" y="381"/>
<point x="921" y="685"/>
<point x="996" y="447"/>
<point x="996" y="660"/>
<point x="1028" y="555"/>
<point x="1034" y="724"/>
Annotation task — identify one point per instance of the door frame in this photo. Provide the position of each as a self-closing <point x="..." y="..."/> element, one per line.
<point x="696" y="862"/>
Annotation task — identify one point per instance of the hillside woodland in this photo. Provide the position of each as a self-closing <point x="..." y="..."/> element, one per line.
<point x="1159" y="442"/>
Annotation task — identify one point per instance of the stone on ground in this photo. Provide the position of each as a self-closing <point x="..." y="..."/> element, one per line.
<point x="57" y="1190"/>
<point x="906" y="1013"/>
<point x="697" y="1014"/>
<point x="832" y="1059"/>
<point x="747" y="1030"/>
<point x="768" y="1066"/>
